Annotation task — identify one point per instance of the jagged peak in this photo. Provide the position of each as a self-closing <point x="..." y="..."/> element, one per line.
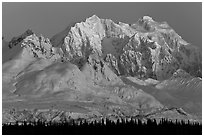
<point x="147" y="23"/>
<point x="93" y="18"/>
<point x="20" y="38"/>
<point x="40" y="47"/>
<point x="29" y="32"/>
<point x="37" y="39"/>
<point x="147" y="18"/>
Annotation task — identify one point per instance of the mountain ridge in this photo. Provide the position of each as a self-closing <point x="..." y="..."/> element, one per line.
<point x="166" y="46"/>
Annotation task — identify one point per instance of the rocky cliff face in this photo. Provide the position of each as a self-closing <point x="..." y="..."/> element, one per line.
<point x="99" y="73"/>
<point x="144" y="49"/>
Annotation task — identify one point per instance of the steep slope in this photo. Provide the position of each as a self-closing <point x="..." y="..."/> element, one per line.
<point x="52" y="79"/>
<point x="99" y="73"/>
<point x="144" y="49"/>
<point x="58" y="39"/>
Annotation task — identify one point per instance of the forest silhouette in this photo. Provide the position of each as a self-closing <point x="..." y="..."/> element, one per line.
<point x="104" y="127"/>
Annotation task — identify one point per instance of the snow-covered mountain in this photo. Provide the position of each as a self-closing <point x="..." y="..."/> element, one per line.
<point x="98" y="67"/>
<point x="144" y="49"/>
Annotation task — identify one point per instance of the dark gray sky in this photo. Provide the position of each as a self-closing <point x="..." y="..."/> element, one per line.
<point x="51" y="18"/>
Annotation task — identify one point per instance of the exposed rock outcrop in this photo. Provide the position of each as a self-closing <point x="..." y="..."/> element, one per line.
<point x="16" y="40"/>
<point x="98" y="72"/>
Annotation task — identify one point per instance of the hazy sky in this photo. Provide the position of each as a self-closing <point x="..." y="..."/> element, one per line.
<point x="51" y="18"/>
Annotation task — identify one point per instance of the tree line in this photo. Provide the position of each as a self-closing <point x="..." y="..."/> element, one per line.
<point x="104" y="127"/>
